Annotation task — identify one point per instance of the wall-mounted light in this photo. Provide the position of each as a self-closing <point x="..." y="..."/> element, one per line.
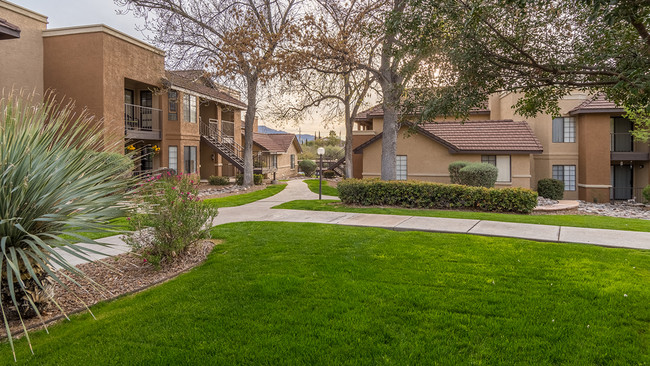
<point x="212" y="157"/>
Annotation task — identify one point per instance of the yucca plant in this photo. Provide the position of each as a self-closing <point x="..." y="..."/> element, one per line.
<point x="53" y="186"/>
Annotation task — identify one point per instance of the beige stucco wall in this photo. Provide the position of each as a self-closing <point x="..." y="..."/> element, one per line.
<point x="284" y="162"/>
<point x="428" y="160"/>
<point x="21" y="59"/>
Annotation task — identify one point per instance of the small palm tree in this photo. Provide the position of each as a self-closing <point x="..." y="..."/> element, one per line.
<point x="53" y="186"/>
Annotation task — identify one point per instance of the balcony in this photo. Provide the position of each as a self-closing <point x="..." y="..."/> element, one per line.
<point x="142" y="123"/>
<point x="622" y="148"/>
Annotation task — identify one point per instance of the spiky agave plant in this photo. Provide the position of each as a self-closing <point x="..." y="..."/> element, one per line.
<point x="53" y="185"/>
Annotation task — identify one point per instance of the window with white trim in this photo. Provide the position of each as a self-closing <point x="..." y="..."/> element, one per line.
<point x="564" y="129"/>
<point x="190" y="159"/>
<point x="173" y="158"/>
<point x="401" y="167"/>
<point x="189" y="108"/>
<point x="567" y="174"/>
<point x="502" y="162"/>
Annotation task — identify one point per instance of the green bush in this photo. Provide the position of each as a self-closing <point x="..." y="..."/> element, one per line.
<point x="307" y="166"/>
<point x="454" y="167"/>
<point x="168" y="218"/>
<point x="257" y="179"/>
<point x="329" y="174"/>
<point x="646" y="193"/>
<point x="218" y="181"/>
<point x="551" y="188"/>
<point x="372" y="192"/>
<point x="478" y="175"/>
<point x="53" y="188"/>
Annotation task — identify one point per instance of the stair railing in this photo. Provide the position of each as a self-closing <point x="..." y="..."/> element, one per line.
<point x="212" y="132"/>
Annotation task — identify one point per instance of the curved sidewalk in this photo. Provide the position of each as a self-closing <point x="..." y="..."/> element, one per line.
<point x="297" y="190"/>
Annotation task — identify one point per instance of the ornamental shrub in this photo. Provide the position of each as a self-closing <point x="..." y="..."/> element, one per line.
<point x="329" y="174"/>
<point x="307" y="166"/>
<point x="257" y="179"/>
<point x="454" y="167"/>
<point x="646" y="193"/>
<point x="168" y="217"/>
<point x="478" y="175"/>
<point x="54" y="188"/>
<point x="551" y="188"/>
<point x="216" y="180"/>
<point x="373" y="192"/>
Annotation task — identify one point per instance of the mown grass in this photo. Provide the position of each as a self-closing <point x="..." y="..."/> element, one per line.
<point x="587" y="221"/>
<point x="121" y="225"/>
<point x="283" y="293"/>
<point x="245" y="198"/>
<point x="327" y="190"/>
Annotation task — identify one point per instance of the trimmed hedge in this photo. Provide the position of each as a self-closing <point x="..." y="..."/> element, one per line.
<point x="478" y="175"/>
<point x="373" y="192"/>
<point x="551" y="188"/>
<point x="307" y="166"/>
<point x="216" y="180"/>
<point x="329" y="174"/>
<point x="454" y="168"/>
<point x="257" y="179"/>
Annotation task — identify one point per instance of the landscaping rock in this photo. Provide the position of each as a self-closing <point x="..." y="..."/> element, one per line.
<point x="629" y="210"/>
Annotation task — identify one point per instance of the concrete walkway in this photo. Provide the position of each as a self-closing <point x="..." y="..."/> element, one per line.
<point x="297" y="190"/>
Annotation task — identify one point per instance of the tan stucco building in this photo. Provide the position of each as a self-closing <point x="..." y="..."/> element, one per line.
<point x="175" y="119"/>
<point x="276" y="154"/>
<point x="588" y="146"/>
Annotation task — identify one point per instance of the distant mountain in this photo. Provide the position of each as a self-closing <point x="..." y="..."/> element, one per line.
<point x="301" y="138"/>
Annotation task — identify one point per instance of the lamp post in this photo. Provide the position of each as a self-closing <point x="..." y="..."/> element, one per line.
<point x="320" y="151"/>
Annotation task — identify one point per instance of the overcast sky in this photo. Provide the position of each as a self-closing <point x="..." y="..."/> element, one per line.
<point x="67" y="13"/>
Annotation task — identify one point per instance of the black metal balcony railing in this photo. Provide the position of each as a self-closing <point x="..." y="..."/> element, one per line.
<point x="142" y="122"/>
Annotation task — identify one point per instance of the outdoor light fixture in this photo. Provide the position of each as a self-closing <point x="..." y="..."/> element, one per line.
<point x="320" y="151"/>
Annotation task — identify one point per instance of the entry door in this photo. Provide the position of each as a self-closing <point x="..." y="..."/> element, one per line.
<point x="622" y="181"/>
<point x="129" y="110"/>
<point x="146" y="101"/>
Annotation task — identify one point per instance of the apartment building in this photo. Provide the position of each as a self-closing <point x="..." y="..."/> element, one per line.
<point x="588" y="146"/>
<point x="276" y="155"/>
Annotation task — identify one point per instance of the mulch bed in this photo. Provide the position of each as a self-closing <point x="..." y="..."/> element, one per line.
<point x="127" y="273"/>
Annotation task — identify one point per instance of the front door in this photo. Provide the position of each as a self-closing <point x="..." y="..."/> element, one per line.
<point x="622" y="182"/>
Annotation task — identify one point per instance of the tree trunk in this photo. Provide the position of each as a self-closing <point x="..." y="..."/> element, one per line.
<point x="249" y="122"/>
<point x="348" y="130"/>
<point x="389" y="137"/>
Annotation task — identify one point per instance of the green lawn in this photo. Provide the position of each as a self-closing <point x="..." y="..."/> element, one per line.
<point x="282" y="293"/>
<point x="327" y="190"/>
<point x="242" y="199"/>
<point x="120" y="225"/>
<point x="588" y="221"/>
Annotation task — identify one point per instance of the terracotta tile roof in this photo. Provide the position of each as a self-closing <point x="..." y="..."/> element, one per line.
<point x="8" y="30"/>
<point x="596" y="104"/>
<point x="274" y="142"/>
<point x="377" y="111"/>
<point x="491" y="136"/>
<point x="180" y="79"/>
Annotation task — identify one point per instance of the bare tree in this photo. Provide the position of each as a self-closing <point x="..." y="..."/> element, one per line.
<point x="332" y="42"/>
<point x="235" y="39"/>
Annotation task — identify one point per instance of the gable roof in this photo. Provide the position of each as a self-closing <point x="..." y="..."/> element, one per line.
<point x="275" y="142"/>
<point x="490" y="136"/>
<point x="378" y="111"/>
<point x="8" y="30"/>
<point x="597" y="104"/>
<point x="184" y="79"/>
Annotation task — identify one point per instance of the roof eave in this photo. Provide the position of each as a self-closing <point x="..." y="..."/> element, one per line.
<point x="593" y="111"/>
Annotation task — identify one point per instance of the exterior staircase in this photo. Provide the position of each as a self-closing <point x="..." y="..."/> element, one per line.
<point x="223" y="145"/>
<point x="338" y="167"/>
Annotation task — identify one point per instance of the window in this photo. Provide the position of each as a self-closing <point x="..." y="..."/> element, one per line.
<point x="173" y="158"/>
<point x="564" y="129"/>
<point x="190" y="159"/>
<point x="274" y="161"/>
<point x="502" y="162"/>
<point x="189" y="108"/>
<point x="172" y="97"/>
<point x="400" y="167"/>
<point x="228" y="128"/>
<point x="567" y="174"/>
<point x="293" y="161"/>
